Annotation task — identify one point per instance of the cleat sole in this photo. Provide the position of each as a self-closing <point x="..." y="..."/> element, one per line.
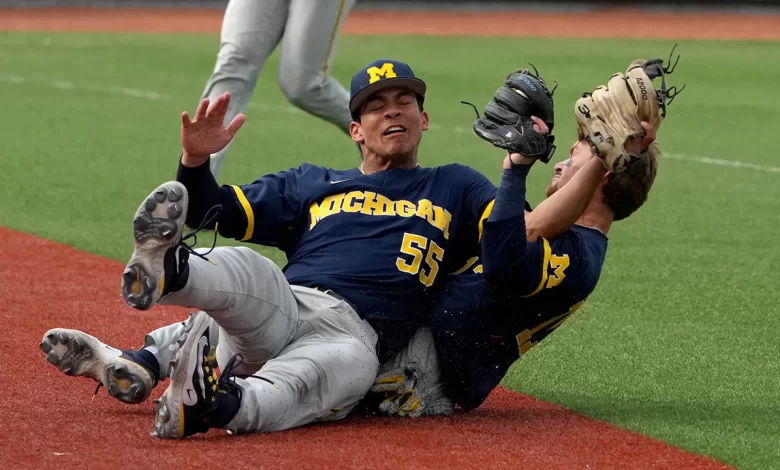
<point x="78" y="354"/>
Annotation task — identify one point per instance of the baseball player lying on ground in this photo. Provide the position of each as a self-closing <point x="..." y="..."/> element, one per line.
<point x="308" y="31"/>
<point x="492" y="313"/>
<point x="377" y="234"/>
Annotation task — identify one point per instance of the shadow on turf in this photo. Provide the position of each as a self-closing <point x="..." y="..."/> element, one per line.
<point x="704" y="415"/>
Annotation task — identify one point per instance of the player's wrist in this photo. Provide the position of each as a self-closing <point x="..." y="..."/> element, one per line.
<point x="516" y="159"/>
<point x="515" y="176"/>
<point x="193" y="161"/>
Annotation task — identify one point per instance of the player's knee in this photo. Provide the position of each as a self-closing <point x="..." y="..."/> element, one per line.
<point x="237" y="59"/>
<point x="246" y="251"/>
<point x="301" y="89"/>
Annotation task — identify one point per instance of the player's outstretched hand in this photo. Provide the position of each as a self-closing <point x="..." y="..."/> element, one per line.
<point x="206" y="133"/>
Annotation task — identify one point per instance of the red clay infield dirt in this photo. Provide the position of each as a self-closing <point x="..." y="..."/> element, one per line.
<point x="50" y="421"/>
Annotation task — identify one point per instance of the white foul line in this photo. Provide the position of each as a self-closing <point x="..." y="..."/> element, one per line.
<point x="460" y="130"/>
<point x="11" y="79"/>
<point x="68" y="85"/>
<point x="719" y="162"/>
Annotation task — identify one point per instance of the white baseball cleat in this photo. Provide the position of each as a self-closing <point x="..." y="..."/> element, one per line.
<point x="78" y="354"/>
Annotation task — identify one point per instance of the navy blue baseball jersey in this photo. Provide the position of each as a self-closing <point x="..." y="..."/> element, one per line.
<point x="379" y="240"/>
<point x="482" y="328"/>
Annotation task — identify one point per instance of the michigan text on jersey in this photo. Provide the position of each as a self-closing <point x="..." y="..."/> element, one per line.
<point x="370" y="203"/>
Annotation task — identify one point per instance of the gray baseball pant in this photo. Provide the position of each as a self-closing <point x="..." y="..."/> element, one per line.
<point x="318" y="356"/>
<point x="308" y="31"/>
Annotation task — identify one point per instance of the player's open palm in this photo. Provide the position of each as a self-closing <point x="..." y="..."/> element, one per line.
<point x="206" y="133"/>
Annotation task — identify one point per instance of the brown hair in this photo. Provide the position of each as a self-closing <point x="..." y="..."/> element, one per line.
<point x="625" y="192"/>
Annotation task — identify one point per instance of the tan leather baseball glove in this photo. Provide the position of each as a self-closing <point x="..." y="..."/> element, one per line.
<point x="611" y="114"/>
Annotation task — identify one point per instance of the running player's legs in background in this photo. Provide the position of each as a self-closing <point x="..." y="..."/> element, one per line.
<point x="251" y="30"/>
<point x="307" y="53"/>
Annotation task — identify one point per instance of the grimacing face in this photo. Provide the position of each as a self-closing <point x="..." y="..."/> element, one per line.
<point x="391" y="123"/>
<point x="579" y="154"/>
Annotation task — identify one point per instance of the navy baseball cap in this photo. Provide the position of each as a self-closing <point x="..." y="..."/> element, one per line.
<point x="381" y="74"/>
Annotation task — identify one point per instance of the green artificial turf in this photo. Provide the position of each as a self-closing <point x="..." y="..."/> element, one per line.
<point x="679" y="341"/>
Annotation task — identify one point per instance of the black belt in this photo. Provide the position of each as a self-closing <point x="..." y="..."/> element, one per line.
<point x="336" y="296"/>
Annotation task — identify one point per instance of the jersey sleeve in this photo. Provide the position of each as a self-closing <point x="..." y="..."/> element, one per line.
<point x="267" y="211"/>
<point x="538" y="265"/>
<point x="503" y="244"/>
<point x="480" y="194"/>
<point x="477" y="194"/>
<point x="480" y="199"/>
<point x="271" y="208"/>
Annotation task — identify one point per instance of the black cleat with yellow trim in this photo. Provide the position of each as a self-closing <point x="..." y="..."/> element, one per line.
<point x="197" y="399"/>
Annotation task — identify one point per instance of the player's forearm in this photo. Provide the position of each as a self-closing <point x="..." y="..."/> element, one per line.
<point x="510" y="195"/>
<point x="192" y="161"/>
<point x="556" y="214"/>
<point x="204" y="193"/>
<point x="503" y="244"/>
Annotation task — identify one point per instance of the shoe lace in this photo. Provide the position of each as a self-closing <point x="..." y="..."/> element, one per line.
<point x="97" y="389"/>
<point x="210" y="216"/>
<point x="227" y="376"/>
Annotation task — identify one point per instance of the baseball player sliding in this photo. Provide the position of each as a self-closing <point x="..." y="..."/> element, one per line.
<point x="308" y="31"/>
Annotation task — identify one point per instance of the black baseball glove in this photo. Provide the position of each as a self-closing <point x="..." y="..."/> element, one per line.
<point x="507" y="120"/>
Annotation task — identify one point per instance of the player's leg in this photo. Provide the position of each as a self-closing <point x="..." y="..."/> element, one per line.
<point x="411" y="384"/>
<point x="128" y="375"/>
<point x="312" y="380"/>
<point x="162" y="343"/>
<point x="249" y="298"/>
<point x="321" y="375"/>
<point x="245" y="293"/>
<point x="307" y="52"/>
<point x="251" y="30"/>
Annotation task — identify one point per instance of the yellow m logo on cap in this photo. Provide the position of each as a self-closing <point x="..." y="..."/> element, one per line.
<point x="374" y="73"/>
